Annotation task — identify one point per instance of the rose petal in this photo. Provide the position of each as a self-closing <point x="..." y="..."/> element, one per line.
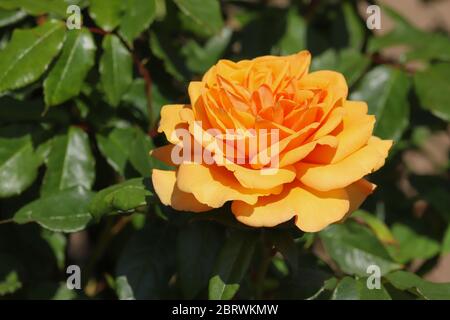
<point x="341" y="174"/>
<point x="164" y="183"/>
<point x="314" y="210"/>
<point x="258" y="179"/>
<point x="214" y="186"/>
<point x="170" y="120"/>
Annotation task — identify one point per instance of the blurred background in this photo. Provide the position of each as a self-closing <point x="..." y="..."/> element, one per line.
<point x="401" y="69"/>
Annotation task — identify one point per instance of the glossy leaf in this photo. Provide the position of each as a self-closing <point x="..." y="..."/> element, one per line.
<point x="140" y="153"/>
<point x="430" y="86"/>
<point x="355" y="248"/>
<point x="357" y="289"/>
<point x="63" y="211"/>
<point x="70" y="163"/>
<point x="197" y="248"/>
<point x="206" y="13"/>
<point x="408" y="281"/>
<point x="106" y="13"/>
<point x="412" y="245"/>
<point x="116" y="69"/>
<point x="67" y="76"/>
<point x="37" y="7"/>
<point x="137" y="17"/>
<point x="29" y="53"/>
<point x="115" y="147"/>
<point x="378" y="227"/>
<point x="8" y="17"/>
<point x="386" y="92"/>
<point x="200" y="59"/>
<point x="18" y="165"/>
<point x="121" y="198"/>
<point x="231" y="265"/>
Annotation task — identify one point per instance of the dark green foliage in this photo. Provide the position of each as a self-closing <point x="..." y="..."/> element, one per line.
<point x="78" y="117"/>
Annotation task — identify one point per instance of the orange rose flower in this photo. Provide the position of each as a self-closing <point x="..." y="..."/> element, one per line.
<point x="322" y="149"/>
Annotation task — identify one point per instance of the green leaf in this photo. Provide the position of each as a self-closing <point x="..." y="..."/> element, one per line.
<point x="9" y="274"/>
<point x="412" y="245"/>
<point x="205" y="13"/>
<point x="163" y="49"/>
<point x="200" y="59"/>
<point x="124" y="197"/>
<point x="136" y="100"/>
<point x="37" y="7"/>
<point x="325" y="61"/>
<point x="115" y="147"/>
<point x="8" y="17"/>
<point x="355" y="248"/>
<point x="403" y="280"/>
<point x="43" y="151"/>
<point x="231" y="265"/>
<point x="295" y="35"/>
<point x="147" y="261"/>
<point x="328" y="285"/>
<point x="422" y="45"/>
<point x="64" y="211"/>
<point x="432" y="46"/>
<point x="116" y="69"/>
<point x="18" y="165"/>
<point x="430" y="85"/>
<point x="65" y="80"/>
<point x="29" y="53"/>
<point x="348" y="29"/>
<point x="137" y="17"/>
<point x="123" y="289"/>
<point x="349" y="62"/>
<point x="159" y="99"/>
<point x="352" y="65"/>
<point x="357" y="289"/>
<point x="140" y="153"/>
<point x="386" y="92"/>
<point x="197" y="247"/>
<point x="106" y="13"/>
<point x="446" y="241"/>
<point x="379" y="228"/>
<point x="70" y="163"/>
<point x="57" y="242"/>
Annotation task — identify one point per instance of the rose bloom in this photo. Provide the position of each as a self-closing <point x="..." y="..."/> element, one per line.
<point x="324" y="148"/>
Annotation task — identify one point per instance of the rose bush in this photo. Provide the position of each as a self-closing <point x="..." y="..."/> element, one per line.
<point x="258" y="184"/>
<point x="325" y="146"/>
